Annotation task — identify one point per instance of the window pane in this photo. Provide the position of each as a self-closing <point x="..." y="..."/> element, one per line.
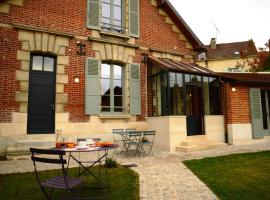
<point x="187" y="78"/>
<point x="106" y="10"/>
<point x="105" y="109"/>
<point x="105" y="86"/>
<point x="105" y="70"/>
<point x="179" y="79"/>
<point x="117" y="2"/>
<point x="206" y="96"/>
<point x="117" y="87"/>
<point x="105" y="100"/>
<point x="117" y="70"/>
<point x="48" y="64"/>
<point x="176" y="96"/>
<point x="172" y="79"/>
<point x="118" y="109"/>
<point x="117" y="13"/>
<point x="37" y="63"/>
<point x="118" y="101"/>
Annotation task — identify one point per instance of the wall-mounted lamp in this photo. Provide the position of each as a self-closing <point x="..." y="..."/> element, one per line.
<point x="233" y="89"/>
<point x="81" y="46"/>
<point x="76" y="80"/>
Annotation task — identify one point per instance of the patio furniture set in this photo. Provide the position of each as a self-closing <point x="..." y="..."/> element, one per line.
<point x="134" y="142"/>
<point x="131" y="141"/>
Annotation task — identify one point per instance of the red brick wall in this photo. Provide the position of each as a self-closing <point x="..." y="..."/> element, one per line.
<point x="156" y="33"/>
<point x="70" y="16"/>
<point x="238" y="109"/>
<point x="65" y="15"/>
<point x="8" y="65"/>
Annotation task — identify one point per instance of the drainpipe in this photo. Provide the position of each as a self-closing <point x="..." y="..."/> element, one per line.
<point x="225" y="110"/>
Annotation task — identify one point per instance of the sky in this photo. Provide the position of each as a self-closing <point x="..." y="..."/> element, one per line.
<point x="236" y="20"/>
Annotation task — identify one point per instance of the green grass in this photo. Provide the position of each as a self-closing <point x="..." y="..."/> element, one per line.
<point x="124" y="184"/>
<point x="233" y="177"/>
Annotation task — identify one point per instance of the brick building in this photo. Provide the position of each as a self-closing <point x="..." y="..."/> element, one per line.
<point x="102" y="64"/>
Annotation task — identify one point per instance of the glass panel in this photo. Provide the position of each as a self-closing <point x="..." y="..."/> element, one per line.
<point x="105" y="86"/>
<point x="163" y="85"/>
<point x="172" y="79"/>
<point x="117" y="13"/>
<point x="117" y="71"/>
<point x="106" y="1"/>
<point x="214" y="97"/>
<point x="48" y="64"/>
<point x="105" y="70"/>
<point x="176" y="96"/>
<point x="118" y="109"/>
<point x="37" y="63"/>
<point x="117" y="2"/>
<point x="105" y="101"/>
<point x="117" y="87"/>
<point x="105" y="109"/>
<point x="106" y="10"/>
<point x="187" y="78"/>
<point x="118" y="101"/>
<point x="206" y="96"/>
<point x="179" y="80"/>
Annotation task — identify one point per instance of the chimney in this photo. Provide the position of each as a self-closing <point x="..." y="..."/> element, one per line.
<point x="213" y="43"/>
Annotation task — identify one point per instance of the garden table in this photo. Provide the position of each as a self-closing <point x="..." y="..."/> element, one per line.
<point x="90" y="149"/>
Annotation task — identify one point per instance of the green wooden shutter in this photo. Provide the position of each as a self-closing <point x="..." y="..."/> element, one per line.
<point x="92" y="94"/>
<point x="135" y="90"/>
<point x="93" y="14"/>
<point x="134" y="24"/>
<point x="256" y="112"/>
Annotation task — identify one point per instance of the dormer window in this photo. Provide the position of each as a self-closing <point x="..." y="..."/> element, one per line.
<point x="112" y="13"/>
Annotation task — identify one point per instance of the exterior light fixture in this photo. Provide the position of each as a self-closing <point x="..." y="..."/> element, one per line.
<point x="81" y="46"/>
<point x="233" y="89"/>
<point x="76" y="80"/>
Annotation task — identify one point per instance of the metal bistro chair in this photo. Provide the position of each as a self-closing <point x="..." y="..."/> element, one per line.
<point x="133" y="142"/>
<point x="63" y="182"/>
<point x="118" y="138"/>
<point x="147" y="143"/>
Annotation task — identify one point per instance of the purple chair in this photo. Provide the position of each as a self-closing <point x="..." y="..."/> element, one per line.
<point x="62" y="182"/>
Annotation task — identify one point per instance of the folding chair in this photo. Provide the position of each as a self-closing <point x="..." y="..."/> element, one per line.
<point x="133" y="142"/>
<point x="62" y="182"/>
<point x="118" y="138"/>
<point x="147" y="143"/>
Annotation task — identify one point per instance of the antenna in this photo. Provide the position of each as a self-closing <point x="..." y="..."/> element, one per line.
<point x="217" y="30"/>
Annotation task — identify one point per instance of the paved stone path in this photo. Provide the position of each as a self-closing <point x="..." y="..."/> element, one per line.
<point x="163" y="177"/>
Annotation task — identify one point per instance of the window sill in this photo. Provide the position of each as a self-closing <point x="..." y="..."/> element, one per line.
<point x="114" y="34"/>
<point x="114" y="116"/>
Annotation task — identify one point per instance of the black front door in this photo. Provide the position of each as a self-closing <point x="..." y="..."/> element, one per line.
<point x="41" y="98"/>
<point x="194" y="110"/>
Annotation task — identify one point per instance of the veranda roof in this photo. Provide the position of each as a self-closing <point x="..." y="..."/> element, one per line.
<point x="179" y="66"/>
<point x="246" y="77"/>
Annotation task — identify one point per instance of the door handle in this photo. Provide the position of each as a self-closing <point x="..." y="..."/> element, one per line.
<point x="52" y="106"/>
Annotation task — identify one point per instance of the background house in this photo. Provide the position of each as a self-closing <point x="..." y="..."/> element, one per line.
<point x="228" y="57"/>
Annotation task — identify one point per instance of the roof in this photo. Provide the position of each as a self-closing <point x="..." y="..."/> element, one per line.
<point x="182" y="25"/>
<point x="231" y="50"/>
<point x="247" y="77"/>
<point x="179" y="66"/>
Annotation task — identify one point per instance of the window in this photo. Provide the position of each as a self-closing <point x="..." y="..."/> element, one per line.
<point x="112" y="88"/>
<point x="112" y="16"/>
<point x="43" y="63"/>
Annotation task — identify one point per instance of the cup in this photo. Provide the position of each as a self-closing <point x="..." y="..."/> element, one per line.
<point x="90" y="141"/>
<point x="82" y="144"/>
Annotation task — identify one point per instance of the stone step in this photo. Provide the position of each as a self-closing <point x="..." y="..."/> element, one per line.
<point x="197" y="138"/>
<point x="200" y="147"/>
<point x="197" y="142"/>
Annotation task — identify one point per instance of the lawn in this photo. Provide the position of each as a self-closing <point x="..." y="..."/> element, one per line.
<point x="233" y="177"/>
<point x="124" y="184"/>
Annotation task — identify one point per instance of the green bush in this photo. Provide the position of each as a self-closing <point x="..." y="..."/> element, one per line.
<point x="111" y="163"/>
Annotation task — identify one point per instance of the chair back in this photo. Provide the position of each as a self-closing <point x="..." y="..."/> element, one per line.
<point x="48" y="156"/>
<point x="149" y="136"/>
